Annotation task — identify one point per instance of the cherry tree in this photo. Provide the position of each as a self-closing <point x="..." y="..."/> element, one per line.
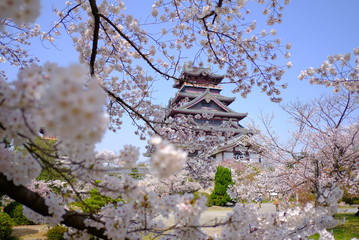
<point x="79" y="102"/>
<point x="180" y="183"/>
<point x="322" y="151"/>
<point x="248" y="179"/>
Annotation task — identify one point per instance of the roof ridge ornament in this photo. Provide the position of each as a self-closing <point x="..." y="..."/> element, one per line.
<point x="207" y="98"/>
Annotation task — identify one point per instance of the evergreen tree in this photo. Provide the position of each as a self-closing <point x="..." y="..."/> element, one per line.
<point x="222" y="180"/>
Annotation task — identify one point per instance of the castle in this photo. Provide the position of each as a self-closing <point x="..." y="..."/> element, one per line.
<point x="199" y="96"/>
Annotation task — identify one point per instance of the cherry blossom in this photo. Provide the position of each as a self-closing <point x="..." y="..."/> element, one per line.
<point x="338" y="71"/>
<point x="166" y="160"/>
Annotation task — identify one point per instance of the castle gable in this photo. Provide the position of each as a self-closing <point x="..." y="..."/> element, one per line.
<point x="207" y="102"/>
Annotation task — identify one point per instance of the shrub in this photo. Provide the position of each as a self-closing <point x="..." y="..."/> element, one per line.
<point x="348" y="200"/>
<point x="6" y="224"/>
<point x="56" y="233"/>
<point x="14" y="209"/>
<point x="222" y="180"/>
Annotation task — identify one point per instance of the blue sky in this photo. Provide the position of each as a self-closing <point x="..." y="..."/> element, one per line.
<point x="316" y="29"/>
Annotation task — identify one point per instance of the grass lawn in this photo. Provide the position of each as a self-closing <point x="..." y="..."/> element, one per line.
<point x="344" y="231"/>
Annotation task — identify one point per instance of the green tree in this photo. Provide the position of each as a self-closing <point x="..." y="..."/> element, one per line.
<point x="94" y="202"/>
<point x="222" y="180"/>
<point x="6" y="224"/>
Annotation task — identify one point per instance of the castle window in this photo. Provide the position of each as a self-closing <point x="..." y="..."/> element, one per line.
<point x="238" y="155"/>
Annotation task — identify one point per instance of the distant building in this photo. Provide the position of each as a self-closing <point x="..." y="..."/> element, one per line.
<point x="199" y="96"/>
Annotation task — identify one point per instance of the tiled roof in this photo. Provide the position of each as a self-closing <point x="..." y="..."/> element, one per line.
<point x="192" y="74"/>
<point x="242" y="140"/>
<point x="208" y="96"/>
<point x="218" y="96"/>
<point x="200" y="71"/>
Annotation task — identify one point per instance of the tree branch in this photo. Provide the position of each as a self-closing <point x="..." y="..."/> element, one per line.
<point x="124" y="104"/>
<point x="96" y="30"/>
<point x="136" y="48"/>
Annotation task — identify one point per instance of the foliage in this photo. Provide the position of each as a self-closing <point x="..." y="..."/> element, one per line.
<point x="350" y="199"/>
<point x="56" y="233"/>
<point x="94" y="202"/>
<point x="6" y="224"/>
<point x="222" y="180"/>
<point x="197" y="195"/>
<point x="135" y="174"/>
<point x="15" y="211"/>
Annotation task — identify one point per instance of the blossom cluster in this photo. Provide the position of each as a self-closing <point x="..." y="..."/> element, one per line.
<point x="166" y="160"/>
<point x="17" y="108"/>
<point x="172" y="185"/>
<point x="128" y="156"/>
<point x="18" y="167"/>
<point x="248" y="181"/>
<point x="55" y="208"/>
<point x="44" y="188"/>
<point x="71" y="98"/>
<point x="15" y="52"/>
<point x="117" y="220"/>
<point x="20" y="11"/>
<point x="54" y="100"/>
<point x="338" y="71"/>
<point x="187" y="216"/>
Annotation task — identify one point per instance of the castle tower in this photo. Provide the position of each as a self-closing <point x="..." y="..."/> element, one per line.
<point x="199" y="96"/>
